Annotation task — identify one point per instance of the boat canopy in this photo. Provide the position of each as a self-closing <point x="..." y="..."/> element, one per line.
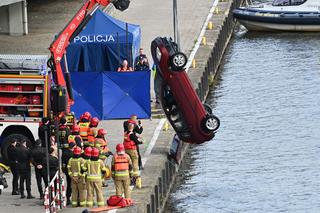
<point x="288" y="2"/>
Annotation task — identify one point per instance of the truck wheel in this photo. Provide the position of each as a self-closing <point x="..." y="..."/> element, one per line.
<point x="178" y="61"/>
<point x="6" y="143"/>
<point x="211" y="123"/>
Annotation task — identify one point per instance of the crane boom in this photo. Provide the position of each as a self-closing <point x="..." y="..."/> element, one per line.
<point x="59" y="45"/>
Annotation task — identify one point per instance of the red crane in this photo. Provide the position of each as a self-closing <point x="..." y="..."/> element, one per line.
<point x="59" y="45"/>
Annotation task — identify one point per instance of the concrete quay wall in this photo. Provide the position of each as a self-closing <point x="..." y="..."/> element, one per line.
<point x="160" y="171"/>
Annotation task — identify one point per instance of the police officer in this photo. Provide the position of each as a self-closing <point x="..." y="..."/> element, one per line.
<point x="75" y="171"/>
<point x="121" y="167"/>
<point x="12" y="155"/>
<point x="38" y="155"/>
<point x="24" y="158"/>
<point x="95" y="168"/>
<point x="53" y="163"/>
<point x="44" y="129"/>
<point x="131" y="142"/>
<point x="66" y="155"/>
<point x="64" y="132"/>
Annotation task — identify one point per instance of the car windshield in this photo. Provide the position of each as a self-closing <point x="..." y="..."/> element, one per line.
<point x="288" y="2"/>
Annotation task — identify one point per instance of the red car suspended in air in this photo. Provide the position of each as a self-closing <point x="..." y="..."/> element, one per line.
<point x="192" y="120"/>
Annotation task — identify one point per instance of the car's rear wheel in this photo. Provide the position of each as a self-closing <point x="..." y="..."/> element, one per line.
<point x="211" y="123"/>
<point x="178" y="61"/>
<point x="207" y="108"/>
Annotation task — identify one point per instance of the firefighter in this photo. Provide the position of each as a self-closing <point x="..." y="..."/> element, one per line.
<point x="38" y="154"/>
<point x="121" y="167"/>
<point x="93" y="131"/>
<point x="64" y="132"/>
<point x="101" y="144"/>
<point x="66" y="155"/>
<point x="86" y="155"/>
<point x="43" y="131"/>
<point x="84" y="124"/>
<point x="75" y="171"/>
<point x="95" y="168"/>
<point x="75" y="133"/>
<point x="131" y="142"/>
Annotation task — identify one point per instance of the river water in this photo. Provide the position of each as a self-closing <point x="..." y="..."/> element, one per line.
<point x="266" y="155"/>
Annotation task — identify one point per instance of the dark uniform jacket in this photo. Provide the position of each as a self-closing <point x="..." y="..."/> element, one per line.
<point x="66" y="155"/>
<point x="53" y="165"/>
<point x="23" y="158"/>
<point x="41" y="133"/>
<point x="137" y="128"/>
<point x="12" y="154"/>
<point x="38" y="155"/>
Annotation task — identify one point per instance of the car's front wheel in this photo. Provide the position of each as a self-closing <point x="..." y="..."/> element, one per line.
<point x="211" y="123"/>
<point x="178" y="61"/>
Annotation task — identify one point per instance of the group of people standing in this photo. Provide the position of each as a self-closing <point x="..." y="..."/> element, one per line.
<point x="21" y="157"/>
<point x="141" y="63"/>
<point x="83" y="160"/>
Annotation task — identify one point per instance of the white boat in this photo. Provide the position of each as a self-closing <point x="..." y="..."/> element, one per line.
<point x="281" y="15"/>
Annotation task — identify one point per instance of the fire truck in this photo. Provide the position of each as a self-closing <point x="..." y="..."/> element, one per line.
<point x="33" y="87"/>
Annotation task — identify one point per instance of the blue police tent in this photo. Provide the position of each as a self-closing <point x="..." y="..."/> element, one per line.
<point x="103" y="44"/>
<point x="112" y="95"/>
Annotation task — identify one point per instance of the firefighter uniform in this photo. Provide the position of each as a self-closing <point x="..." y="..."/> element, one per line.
<point x="121" y="167"/>
<point x="130" y="144"/>
<point x="84" y="128"/>
<point x="95" y="167"/>
<point x="78" y="185"/>
<point x="72" y="138"/>
<point x="64" y="132"/>
<point x="92" y="134"/>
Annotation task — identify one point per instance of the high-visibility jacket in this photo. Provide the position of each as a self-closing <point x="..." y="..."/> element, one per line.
<point x="92" y="134"/>
<point x="127" y="142"/>
<point x="84" y="127"/>
<point x="72" y="138"/>
<point x="94" y="169"/>
<point x="100" y="142"/>
<point x="120" y="165"/>
<point x="75" y="166"/>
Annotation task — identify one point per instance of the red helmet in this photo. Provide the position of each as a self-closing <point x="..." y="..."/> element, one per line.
<point x="75" y="128"/>
<point x="102" y="132"/>
<point x="86" y="116"/>
<point x="77" y="150"/>
<point x="95" y="152"/>
<point x="120" y="147"/>
<point x="94" y="121"/>
<point x="88" y="151"/>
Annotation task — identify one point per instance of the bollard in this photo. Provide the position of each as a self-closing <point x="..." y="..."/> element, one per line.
<point x="160" y="188"/>
<point x="204" y="40"/>
<point x="194" y="63"/>
<point x="166" y="126"/>
<point x="153" y="206"/>
<point x="210" y="25"/>
<point x="149" y="208"/>
<point x="157" y="197"/>
<point x="164" y="182"/>
<point x="217" y="11"/>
